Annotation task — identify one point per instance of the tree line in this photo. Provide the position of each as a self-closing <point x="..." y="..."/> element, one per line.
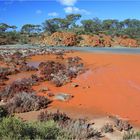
<point x="113" y="27"/>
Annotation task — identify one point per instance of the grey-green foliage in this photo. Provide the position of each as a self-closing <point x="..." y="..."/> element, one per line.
<point x="25" y="102"/>
<point x="61" y="24"/>
<point x="4" y="27"/>
<point x="79" y="129"/>
<point x="131" y="135"/>
<point x="12" y="128"/>
<point x="92" y="25"/>
<point x="113" y="27"/>
<point x="130" y="27"/>
<point x="31" y="28"/>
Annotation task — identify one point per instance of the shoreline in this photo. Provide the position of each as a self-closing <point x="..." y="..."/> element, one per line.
<point x="98" y="49"/>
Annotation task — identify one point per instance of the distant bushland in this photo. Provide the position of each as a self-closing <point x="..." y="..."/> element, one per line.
<point x="128" y="28"/>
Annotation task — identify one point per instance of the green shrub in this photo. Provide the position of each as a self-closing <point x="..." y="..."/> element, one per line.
<point x="14" y="128"/>
<point x="46" y="130"/>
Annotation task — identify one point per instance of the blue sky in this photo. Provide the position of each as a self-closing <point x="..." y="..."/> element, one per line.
<point x="19" y="12"/>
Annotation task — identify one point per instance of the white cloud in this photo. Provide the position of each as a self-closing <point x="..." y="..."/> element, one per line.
<point x="53" y="14"/>
<point x="67" y="2"/>
<point x="39" y="12"/>
<point x="70" y="10"/>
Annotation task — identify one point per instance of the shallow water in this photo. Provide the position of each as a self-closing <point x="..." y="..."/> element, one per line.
<point x="117" y="49"/>
<point x="120" y="50"/>
<point x="33" y="63"/>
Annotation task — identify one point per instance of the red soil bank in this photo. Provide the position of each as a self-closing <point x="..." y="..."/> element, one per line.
<point x="71" y="39"/>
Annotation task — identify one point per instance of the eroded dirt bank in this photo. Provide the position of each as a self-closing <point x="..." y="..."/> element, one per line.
<point x="110" y="86"/>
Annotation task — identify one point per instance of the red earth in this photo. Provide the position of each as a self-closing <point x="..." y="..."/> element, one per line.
<point x="111" y="86"/>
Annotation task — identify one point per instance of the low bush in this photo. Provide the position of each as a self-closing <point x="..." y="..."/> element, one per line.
<point x="50" y="67"/>
<point x="25" y="102"/>
<point x="73" y="60"/>
<point x="24" y="85"/>
<point x="25" y="67"/>
<point x="4" y="72"/>
<point x="60" y="78"/>
<point x="72" y="129"/>
<point x="107" y="128"/>
<point x="79" y="129"/>
<point x="131" y="135"/>
<point x="13" y="129"/>
<point x="15" y="58"/>
<point x="57" y="117"/>
<point x="61" y="74"/>
<point x="122" y="125"/>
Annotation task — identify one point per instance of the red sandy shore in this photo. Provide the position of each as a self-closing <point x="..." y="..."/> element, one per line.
<point x="110" y="86"/>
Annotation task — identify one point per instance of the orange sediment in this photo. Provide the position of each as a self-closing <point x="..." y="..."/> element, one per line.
<point x="110" y="86"/>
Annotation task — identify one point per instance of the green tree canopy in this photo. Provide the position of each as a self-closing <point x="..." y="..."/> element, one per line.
<point x="30" y="28"/>
<point x="59" y="24"/>
<point x="4" y="27"/>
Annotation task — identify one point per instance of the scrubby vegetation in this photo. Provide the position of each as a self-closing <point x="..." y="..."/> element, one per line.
<point x="107" y="128"/>
<point x="16" y="87"/>
<point x="80" y="129"/>
<point x="53" y="126"/>
<point x="131" y="135"/>
<point x="108" y="32"/>
<point x="14" y="128"/>
<point x="57" y="117"/>
<point x="130" y="27"/>
<point x="59" y="73"/>
<point x="122" y="125"/>
<point x="48" y="128"/>
<point x="3" y="75"/>
<point x="25" y="102"/>
<point x="72" y="128"/>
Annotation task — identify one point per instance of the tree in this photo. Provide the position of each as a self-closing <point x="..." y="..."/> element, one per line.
<point x="131" y="27"/>
<point x="110" y="24"/>
<point x="30" y="28"/>
<point x="13" y="27"/>
<point x="92" y="26"/>
<point x="87" y="25"/>
<point x="97" y="25"/>
<point x="60" y="24"/>
<point x="50" y="26"/>
<point x="72" y="18"/>
<point x="3" y="27"/>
